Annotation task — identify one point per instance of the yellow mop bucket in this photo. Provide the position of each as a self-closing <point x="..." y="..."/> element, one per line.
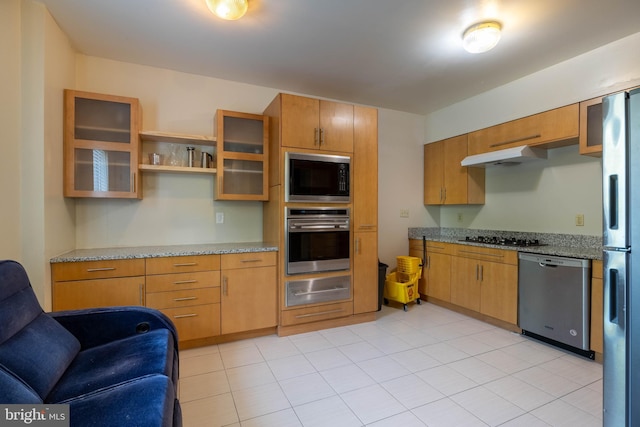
<point x="402" y="285"/>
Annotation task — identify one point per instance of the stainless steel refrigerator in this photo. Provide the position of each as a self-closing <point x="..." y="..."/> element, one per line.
<point x="621" y="218"/>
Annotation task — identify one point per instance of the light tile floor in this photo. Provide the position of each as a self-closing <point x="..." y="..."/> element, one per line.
<point x="428" y="366"/>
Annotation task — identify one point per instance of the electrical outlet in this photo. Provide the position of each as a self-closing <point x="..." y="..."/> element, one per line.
<point x="580" y="220"/>
<point x="219" y="217"/>
<point x="460" y="217"/>
<point x="404" y="213"/>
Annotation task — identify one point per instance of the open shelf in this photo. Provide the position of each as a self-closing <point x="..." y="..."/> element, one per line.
<point x="154" y="136"/>
<point x="176" y="169"/>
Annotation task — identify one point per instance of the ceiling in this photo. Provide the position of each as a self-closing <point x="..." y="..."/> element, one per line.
<point x="403" y="55"/>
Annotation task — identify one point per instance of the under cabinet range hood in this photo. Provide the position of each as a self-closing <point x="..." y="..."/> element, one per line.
<point x="506" y="157"/>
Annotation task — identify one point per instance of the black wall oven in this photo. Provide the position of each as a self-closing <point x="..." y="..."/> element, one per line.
<point x="317" y="239"/>
<point x="319" y="178"/>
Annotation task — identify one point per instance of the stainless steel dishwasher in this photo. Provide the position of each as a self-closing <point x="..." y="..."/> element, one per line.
<point x="554" y="300"/>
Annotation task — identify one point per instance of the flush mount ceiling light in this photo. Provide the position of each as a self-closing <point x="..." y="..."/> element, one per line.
<point x="481" y="37"/>
<point x="228" y="9"/>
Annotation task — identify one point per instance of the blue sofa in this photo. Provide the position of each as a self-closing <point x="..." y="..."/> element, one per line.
<point x="114" y="366"/>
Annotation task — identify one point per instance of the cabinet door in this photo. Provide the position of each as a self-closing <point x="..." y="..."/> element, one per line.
<point x="336" y="126"/>
<point x="439" y="276"/>
<point x="242" y="165"/>
<point x="423" y="281"/>
<point x="81" y="294"/>
<point x="597" y="333"/>
<point x="499" y="295"/>
<point x="365" y="272"/>
<point x="455" y="175"/>
<point x="248" y="300"/>
<point x="101" y="145"/>
<point x="299" y="124"/>
<point x="365" y="169"/>
<point x="434" y="173"/>
<point x="590" y="139"/>
<point x="465" y="284"/>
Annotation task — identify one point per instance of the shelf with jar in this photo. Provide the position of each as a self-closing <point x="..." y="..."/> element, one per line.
<point x="177" y="153"/>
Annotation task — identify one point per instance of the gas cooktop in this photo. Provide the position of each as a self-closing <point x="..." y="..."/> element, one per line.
<point x="503" y="241"/>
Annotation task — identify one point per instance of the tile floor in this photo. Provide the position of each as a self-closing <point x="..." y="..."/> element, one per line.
<point x="428" y="366"/>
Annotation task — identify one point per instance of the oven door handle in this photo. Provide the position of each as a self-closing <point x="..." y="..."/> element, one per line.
<point x="318" y="227"/>
<point x="297" y="294"/>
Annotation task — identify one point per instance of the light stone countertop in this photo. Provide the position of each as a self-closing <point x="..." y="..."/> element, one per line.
<point x="566" y="245"/>
<point x="101" y="254"/>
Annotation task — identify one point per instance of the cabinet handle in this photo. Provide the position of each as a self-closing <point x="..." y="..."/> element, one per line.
<point x="436" y="247"/>
<point x="185" y="299"/>
<point x="444" y="190"/>
<point x="482" y="273"/>
<point x="477" y="275"/>
<point x="251" y="260"/>
<point x="185" y="264"/>
<point x="297" y="294"/>
<point x="367" y="226"/>
<point x="182" y="282"/>
<point x="141" y="290"/>
<point x="302" y="316"/>
<point x="357" y="245"/>
<point x="93" y="270"/>
<point x="182" y="316"/>
<point x="321" y="136"/>
<point x="225" y="286"/>
<point x="481" y="253"/>
<point x="133" y="182"/>
<point x="316" y="138"/>
<point x="511" y="141"/>
<point x="441" y="198"/>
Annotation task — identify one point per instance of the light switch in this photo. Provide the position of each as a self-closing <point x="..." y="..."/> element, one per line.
<point x="580" y="220"/>
<point x="219" y="217"/>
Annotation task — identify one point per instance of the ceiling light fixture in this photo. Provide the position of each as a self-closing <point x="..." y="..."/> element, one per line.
<point x="228" y="9"/>
<point x="481" y="37"/>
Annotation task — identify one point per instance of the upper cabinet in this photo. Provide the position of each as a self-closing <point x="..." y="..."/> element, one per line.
<point x="101" y="145"/>
<point x="316" y="124"/>
<point x="446" y="182"/>
<point x="243" y="153"/>
<point x="550" y="129"/>
<point x="591" y="127"/>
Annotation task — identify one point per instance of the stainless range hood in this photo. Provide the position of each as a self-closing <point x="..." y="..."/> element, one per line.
<point x="506" y="157"/>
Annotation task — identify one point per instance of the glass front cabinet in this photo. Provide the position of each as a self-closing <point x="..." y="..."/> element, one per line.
<point x="242" y="164"/>
<point x="101" y="145"/>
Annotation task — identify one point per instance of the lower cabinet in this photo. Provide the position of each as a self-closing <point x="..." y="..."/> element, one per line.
<point x="436" y="271"/>
<point x="597" y="320"/>
<point x="365" y="272"/>
<point x="187" y="290"/>
<point x="90" y="284"/>
<point x="486" y="280"/>
<point x="249" y="292"/>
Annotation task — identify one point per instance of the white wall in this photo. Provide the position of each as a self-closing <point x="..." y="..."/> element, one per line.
<point x="544" y="197"/>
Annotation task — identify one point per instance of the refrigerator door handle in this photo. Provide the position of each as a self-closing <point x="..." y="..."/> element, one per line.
<point x="613" y="202"/>
<point x="617" y="303"/>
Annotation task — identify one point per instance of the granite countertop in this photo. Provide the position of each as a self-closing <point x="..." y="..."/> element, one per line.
<point x="101" y="254"/>
<point x="567" y="245"/>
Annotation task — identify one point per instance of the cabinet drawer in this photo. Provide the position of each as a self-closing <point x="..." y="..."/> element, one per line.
<point x="182" y="264"/>
<point x="248" y="260"/>
<point x="487" y="254"/>
<point x="186" y="298"/>
<point x="181" y="281"/>
<point x="200" y="321"/>
<point x="97" y="269"/>
<point x="314" y="314"/>
<point x="432" y="246"/>
<point x="79" y="294"/>
<point x="314" y="291"/>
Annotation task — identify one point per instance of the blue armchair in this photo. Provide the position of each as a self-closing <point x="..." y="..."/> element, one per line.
<point x="115" y="366"/>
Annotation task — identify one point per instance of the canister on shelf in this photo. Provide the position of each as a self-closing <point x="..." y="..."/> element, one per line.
<point x="191" y="156"/>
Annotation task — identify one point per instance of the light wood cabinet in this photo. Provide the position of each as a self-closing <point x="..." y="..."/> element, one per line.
<point x="101" y="145"/>
<point x="365" y="209"/>
<point x="315" y="124"/>
<point x="249" y="292"/>
<point x="590" y="140"/>
<point x="446" y="182"/>
<point x="550" y="129"/>
<point x="597" y="295"/>
<point x="187" y="290"/>
<point x="243" y="154"/>
<point x="485" y="280"/>
<point x="436" y="271"/>
<point x="90" y="284"/>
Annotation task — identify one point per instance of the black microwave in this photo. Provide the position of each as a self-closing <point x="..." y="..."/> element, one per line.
<point x="317" y="178"/>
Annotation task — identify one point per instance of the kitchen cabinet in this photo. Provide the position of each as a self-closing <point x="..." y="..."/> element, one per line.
<point x="315" y="124"/>
<point x="590" y="140"/>
<point x="597" y="325"/>
<point x="187" y="290"/>
<point x="435" y="282"/>
<point x="101" y="145"/>
<point x="550" y="129"/>
<point x="446" y="182"/>
<point x="365" y="209"/>
<point x="243" y="155"/>
<point x="485" y="280"/>
<point x="90" y="284"/>
<point x="173" y="148"/>
<point x="249" y="299"/>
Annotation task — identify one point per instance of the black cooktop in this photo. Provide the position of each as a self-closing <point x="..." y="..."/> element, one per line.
<point x="503" y="241"/>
